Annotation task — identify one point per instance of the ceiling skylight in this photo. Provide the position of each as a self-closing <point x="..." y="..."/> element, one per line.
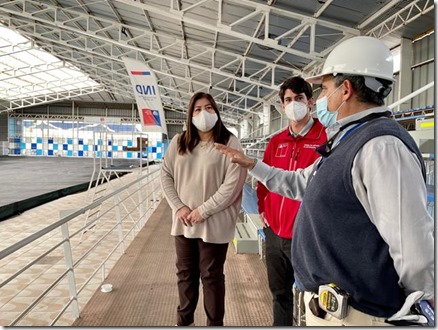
<point x="28" y="71"/>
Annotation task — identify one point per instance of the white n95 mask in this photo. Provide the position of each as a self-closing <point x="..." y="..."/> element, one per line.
<point x="296" y="111"/>
<point x="205" y="121"/>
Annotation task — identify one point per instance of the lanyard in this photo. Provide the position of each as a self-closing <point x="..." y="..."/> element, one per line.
<point x="326" y="148"/>
<point x="346" y="134"/>
<point x="331" y="145"/>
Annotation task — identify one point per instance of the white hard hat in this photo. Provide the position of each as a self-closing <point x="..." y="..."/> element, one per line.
<point x="358" y="56"/>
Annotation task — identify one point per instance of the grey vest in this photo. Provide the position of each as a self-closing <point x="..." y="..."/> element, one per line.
<point x="335" y="241"/>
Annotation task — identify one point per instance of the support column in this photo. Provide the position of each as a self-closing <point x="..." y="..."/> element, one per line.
<point x="4" y="134"/>
<point x="244" y="128"/>
<point x="266" y="120"/>
<point x="4" y="128"/>
<point x="405" y="76"/>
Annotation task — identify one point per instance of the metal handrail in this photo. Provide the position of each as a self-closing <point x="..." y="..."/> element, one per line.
<point x="4" y="253"/>
<point x="124" y="233"/>
<point x="410" y="96"/>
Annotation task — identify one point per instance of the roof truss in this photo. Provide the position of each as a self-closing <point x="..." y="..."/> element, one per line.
<point x="209" y="45"/>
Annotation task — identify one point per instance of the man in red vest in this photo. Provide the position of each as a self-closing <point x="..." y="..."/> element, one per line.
<point x="291" y="149"/>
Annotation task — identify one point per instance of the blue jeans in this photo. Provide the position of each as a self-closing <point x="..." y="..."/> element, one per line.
<point x="280" y="277"/>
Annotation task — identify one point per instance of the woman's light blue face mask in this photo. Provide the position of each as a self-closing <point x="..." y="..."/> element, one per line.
<point x="326" y="117"/>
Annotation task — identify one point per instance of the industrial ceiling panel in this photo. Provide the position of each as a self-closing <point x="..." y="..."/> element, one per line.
<point x="239" y="50"/>
<point x="349" y="13"/>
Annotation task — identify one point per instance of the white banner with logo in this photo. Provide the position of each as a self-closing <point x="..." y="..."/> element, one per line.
<point x="147" y="96"/>
<point x="102" y="120"/>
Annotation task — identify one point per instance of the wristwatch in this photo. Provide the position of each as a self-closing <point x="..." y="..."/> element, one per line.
<point x="253" y="164"/>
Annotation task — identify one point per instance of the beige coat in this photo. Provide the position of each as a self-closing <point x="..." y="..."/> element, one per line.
<point x="206" y="179"/>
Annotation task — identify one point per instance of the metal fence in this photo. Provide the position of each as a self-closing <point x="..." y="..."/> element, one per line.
<point x="74" y="255"/>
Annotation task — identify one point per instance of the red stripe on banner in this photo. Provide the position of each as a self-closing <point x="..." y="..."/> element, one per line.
<point x="140" y="73"/>
<point x="151" y="117"/>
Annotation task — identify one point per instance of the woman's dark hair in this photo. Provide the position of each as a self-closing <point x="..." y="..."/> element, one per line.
<point x="189" y="139"/>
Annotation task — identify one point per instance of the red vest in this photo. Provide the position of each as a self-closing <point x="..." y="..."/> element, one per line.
<point x="289" y="153"/>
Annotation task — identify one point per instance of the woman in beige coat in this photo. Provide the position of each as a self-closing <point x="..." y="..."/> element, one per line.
<point x="204" y="190"/>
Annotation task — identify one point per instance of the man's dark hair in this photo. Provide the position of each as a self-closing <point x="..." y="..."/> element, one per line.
<point x="297" y="85"/>
<point x="364" y="94"/>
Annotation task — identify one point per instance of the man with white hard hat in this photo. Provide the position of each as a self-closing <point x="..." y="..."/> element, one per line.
<point x="363" y="248"/>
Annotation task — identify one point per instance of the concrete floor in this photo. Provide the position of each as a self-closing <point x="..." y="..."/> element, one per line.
<point x="145" y="285"/>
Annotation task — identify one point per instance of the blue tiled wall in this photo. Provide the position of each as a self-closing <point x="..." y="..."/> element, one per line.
<point x="79" y="148"/>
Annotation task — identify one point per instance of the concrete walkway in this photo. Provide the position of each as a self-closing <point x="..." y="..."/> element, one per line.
<point x="145" y="292"/>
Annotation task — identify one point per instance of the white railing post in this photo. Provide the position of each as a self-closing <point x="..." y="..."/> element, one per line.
<point x="119" y="221"/>
<point x="148" y="197"/>
<point x="140" y="201"/>
<point x="154" y="197"/>
<point x="68" y="257"/>
<point x="103" y="272"/>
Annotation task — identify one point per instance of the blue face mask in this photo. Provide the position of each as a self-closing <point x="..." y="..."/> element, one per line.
<point x="326" y="117"/>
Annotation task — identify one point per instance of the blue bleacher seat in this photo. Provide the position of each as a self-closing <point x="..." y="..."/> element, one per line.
<point x="246" y="239"/>
<point x="430" y="193"/>
<point x="249" y="200"/>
